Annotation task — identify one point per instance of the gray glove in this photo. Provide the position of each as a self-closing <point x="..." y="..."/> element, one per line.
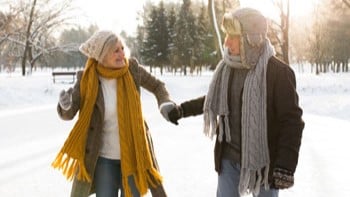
<point x="165" y="108"/>
<point x="65" y="99"/>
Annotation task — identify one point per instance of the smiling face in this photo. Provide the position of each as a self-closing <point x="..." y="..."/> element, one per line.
<point x="232" y="42"/>
<point x="115" y="57"/>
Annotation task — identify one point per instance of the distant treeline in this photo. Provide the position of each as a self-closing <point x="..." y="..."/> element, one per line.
<point x="175" y="37"/>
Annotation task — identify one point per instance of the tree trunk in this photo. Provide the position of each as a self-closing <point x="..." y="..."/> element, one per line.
<point x="285" y="32"/>
<point x="347" y="3"/>
<point x="212" y="15"/>
<point x="27" y="43"/>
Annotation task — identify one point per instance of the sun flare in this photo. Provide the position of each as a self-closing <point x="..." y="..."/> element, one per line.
<point x="298" y="8"/>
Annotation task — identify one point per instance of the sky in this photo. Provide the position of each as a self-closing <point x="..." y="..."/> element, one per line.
<point x="32" y="134"/>
<point x="122" y="15"/>
<point x="113" y="15"/>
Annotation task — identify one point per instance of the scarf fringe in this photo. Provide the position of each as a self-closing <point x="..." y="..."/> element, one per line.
<point x="152" y="179"/>
<point x="210" y="124"/>
<point x="252" y="180"/>
<point x="224" y="128"/>
<point x="71" y="167"/>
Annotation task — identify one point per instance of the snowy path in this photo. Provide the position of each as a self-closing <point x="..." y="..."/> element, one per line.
<point x="324" y="159"/>
<point x="27" y="146"/>
<point x="31" y="139"/>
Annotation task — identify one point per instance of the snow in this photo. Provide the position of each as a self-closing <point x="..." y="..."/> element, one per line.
<point x="32" y="133"/>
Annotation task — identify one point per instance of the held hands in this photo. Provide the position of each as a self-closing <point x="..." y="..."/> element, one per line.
<point x="282" y="178"/>
<point x="175" y="114"/>
<point x="171" y="112"/>
<point x="65" y="99"/>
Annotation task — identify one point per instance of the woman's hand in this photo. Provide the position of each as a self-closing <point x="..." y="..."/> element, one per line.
<point x="65" y="99"/>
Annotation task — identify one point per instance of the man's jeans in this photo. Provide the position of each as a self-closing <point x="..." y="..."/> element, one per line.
<point x="108" y="179"/>
<point x="228" y="181"/>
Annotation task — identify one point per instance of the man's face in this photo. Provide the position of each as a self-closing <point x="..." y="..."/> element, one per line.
<point x="232" y="42"/>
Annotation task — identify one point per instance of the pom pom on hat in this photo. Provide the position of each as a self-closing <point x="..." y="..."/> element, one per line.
<point x="94" y="46"/>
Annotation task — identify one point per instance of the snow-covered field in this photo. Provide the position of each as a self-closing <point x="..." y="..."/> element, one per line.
<point x="32" y="133"/>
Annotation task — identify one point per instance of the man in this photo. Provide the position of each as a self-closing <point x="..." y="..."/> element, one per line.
<point x="252" y="107"/>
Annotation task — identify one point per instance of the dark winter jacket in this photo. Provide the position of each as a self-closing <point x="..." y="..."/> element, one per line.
<point x="284" y="121"/>
<point x="142" y="79"/>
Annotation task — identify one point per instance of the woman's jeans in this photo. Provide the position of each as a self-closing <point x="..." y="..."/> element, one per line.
<point x="108" y="179"/>
<point x="228" y="181"/>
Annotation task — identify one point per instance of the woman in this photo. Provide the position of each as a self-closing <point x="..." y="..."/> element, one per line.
<point x="109" y="148"/>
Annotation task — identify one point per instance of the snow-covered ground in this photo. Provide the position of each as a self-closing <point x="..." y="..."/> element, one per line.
<point x="32" y="133"/>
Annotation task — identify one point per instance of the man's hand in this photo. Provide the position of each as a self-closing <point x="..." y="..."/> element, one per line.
<point x="175" y="114"/>
<point x="282" y="178"/>
<point x="171" y="112"/>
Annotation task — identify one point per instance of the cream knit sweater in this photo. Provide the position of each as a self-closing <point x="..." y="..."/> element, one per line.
<point x="110" y="147"/>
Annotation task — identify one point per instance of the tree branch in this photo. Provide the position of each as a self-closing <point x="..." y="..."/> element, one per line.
<point x="347" y="3"/>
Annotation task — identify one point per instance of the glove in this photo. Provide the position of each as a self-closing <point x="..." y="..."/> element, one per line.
<point x="65" y="99"/>
<point x="282" y="178"/>
<point x="165" y="108"/>
<point x="175" y="114"/>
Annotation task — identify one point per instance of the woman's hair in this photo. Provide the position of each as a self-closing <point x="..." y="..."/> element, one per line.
<point x="110" y="44"/>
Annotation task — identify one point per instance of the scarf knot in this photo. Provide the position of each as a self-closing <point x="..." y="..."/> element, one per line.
<point x="112" y="73"/>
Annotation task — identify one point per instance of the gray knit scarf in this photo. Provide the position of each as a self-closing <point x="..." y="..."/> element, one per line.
<point x="255" y="155"/>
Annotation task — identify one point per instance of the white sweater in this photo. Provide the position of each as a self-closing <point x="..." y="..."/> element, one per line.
<point x="110" y="147"/>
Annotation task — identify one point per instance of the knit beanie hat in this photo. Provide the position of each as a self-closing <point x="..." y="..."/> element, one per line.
<point x="94" y="46"/>
<point x="251" y="26"/>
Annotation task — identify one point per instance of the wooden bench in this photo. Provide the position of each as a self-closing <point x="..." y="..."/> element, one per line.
<point x="60" y="74"/>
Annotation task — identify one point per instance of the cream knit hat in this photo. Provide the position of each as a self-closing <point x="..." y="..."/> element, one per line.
<point x="94" y="46"/>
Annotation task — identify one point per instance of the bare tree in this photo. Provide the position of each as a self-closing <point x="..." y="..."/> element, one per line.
<point x="27" y="34"/>
<point x="299" y="44"/>
<point x="8" y="52"/>
<point x="36" y="22"/>
<point x="320" y="41"/>
<point x="281" y="34"/>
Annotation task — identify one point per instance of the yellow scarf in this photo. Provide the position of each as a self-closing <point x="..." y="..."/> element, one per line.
<point x="136" y="159"/>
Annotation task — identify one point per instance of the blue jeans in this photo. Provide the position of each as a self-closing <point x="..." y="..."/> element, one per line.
<point x="108" y="179"/>
<point x="228" y="181"/>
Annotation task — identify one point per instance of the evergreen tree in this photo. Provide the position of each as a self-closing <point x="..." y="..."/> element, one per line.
<point x="150" y="42"/>
<point x="162" y="39"/>
<point x="172" y="37"/>
<point x="139" y="43"/>
<point x="184" y="37"/>
<point x="205" y="53"/>
<point x="157" y="38"/>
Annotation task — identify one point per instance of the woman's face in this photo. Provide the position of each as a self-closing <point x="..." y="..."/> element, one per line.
<point x="116" y="57"/>
<point x="232" y="42"/>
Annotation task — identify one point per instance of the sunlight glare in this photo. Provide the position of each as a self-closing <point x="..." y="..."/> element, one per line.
<point x="121" y="15"/>
<point x="298" y="8"/>
<point x="111" y="15"/>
